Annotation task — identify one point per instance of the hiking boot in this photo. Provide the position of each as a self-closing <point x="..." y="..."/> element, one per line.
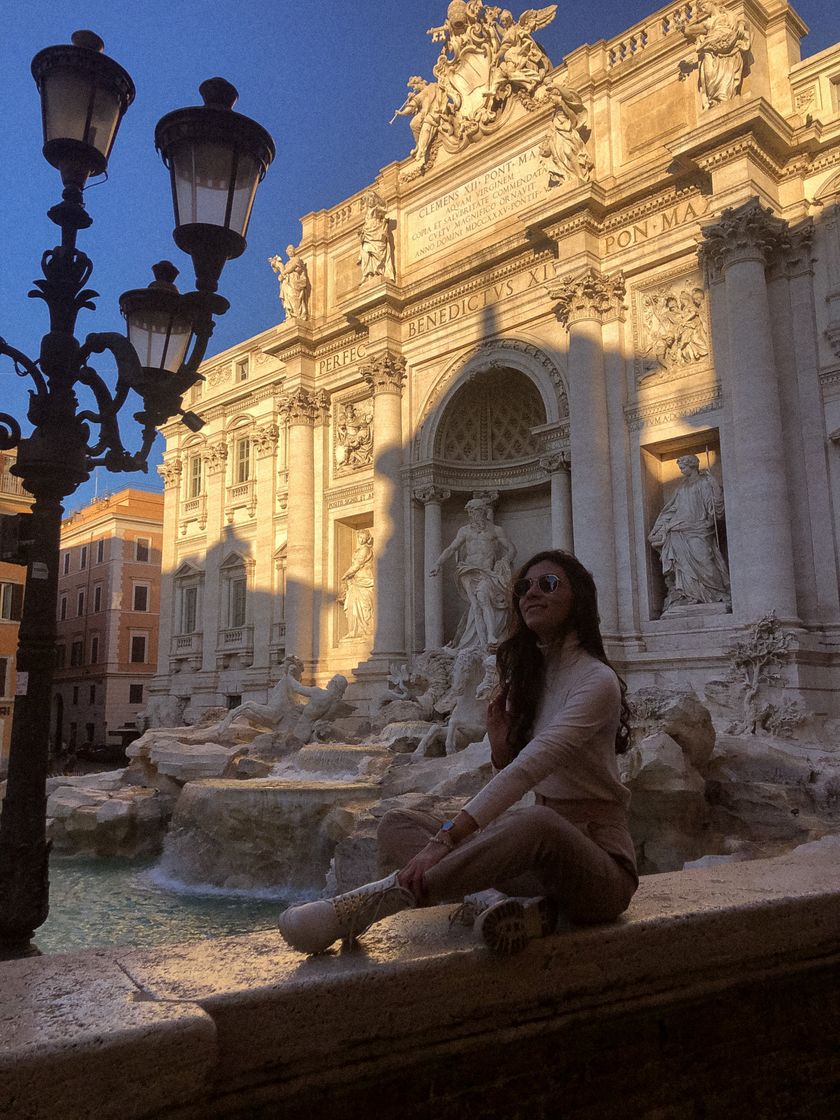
<point x="473" y="905"/>
<point x="314" y="926"/>
<point x="509" y="925"/>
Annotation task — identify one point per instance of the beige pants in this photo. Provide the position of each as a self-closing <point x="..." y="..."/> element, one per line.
<point x="530" y="851"/>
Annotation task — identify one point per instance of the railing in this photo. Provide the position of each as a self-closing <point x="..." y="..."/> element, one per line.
<point x="635" y="40"/>
<point x="185" y="644"/>
<point x="236" y="638"/>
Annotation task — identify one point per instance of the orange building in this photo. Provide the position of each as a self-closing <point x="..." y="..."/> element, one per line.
<point x="108" y="614"/>
<point x="13" y="499"/>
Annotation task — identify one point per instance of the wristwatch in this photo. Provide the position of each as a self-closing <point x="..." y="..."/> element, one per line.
<point x="442" y="836"/>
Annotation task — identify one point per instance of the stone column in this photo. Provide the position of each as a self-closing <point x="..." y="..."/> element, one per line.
<point x="431" y="498"/>
<point x="737" y="249"/>
<point x="385" y="375"/>
<point x="265" y="441"/>
<point x="299" y="409"/>
<point x="585" y="301"/>
<point x="556" y="467"/>
<point x="215" y="465"/>
<point x="170" y="471"/>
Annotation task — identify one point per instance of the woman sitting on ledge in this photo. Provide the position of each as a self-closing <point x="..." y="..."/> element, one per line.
<point x="555" y="728"/>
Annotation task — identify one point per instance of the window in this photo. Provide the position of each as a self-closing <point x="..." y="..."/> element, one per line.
<point x="138" y="649"/>
<point x="77" y="651"/>
<point x="141" y="597"/>
<point x="90" y="731"/>
<point x="97" y="598"/>
<point x="94" y="649"/>
<point x="100" y="550"/>
<point x="83" y="557"/>
<point x="242" y="369"/>
<point x="66" y="563"/>
<point x="75" y="694"/>
<point x="237" y="588"/>
<point x="189" y="609"/>
<point x="233" y="700"/>
<point x="60" y="657"/>
<point x="4" y="675"/>
<point x="80" y="604"/>
<point x="11" y="601"/>
<point x="242" y="463"/>
<point x="62" y="608"/>
<point x="141" y="550"/>
<point x="92" y="694"/>
<point x="135" y="694"/>
<point x="194" y="478"/>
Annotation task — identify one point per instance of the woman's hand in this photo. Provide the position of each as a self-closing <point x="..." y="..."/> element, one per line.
<point x="498" y="729"/>
<point x="411" y="876"/>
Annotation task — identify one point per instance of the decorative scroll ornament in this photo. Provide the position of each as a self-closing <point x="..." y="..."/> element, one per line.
<point x="170" y="471"/>
<point x="588" y="295"/>
<point x="215" y="457"/>
<point x="385" y="373"/>
<point x="486" y="59"/>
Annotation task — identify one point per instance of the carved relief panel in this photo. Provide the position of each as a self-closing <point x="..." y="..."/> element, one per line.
<point x="671" y="329"/>
<point x="352" y="435"/>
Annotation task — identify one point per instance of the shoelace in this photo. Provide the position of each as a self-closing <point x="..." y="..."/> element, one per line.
<point x="358" y="911"/>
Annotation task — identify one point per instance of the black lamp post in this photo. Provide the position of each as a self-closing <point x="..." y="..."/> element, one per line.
<point x="217" y="159"/>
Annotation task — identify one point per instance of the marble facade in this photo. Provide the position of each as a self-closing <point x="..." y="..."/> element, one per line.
<point x="580" y="275"/>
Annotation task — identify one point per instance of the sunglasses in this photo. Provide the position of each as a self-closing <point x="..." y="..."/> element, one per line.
<point x="546" y="584"/>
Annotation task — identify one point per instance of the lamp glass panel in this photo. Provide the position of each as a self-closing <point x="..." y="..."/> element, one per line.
<point x="206" y="189"/>
<point x="75" y="109"/>
<point x="160" y="340"/>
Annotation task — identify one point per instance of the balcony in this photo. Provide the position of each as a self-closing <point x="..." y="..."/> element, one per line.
<point x="235" y="647"/>
<point x="185" y="652"/>
<point x="242" y="495"/>
<point x="277" y="644"/>
<point x="193" y="509"/>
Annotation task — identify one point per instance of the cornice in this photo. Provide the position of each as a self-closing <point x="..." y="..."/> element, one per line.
<point x="673" y="408"/>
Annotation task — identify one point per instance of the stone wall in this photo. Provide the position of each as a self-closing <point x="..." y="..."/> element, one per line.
<point x="716" y="994"/>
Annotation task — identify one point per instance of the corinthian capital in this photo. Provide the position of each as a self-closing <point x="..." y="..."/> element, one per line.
<point x="170" y="472"/>
<point x="302" y="406"/>
<point x="265" y="439"/>
<point x="555" y="461"/>
<point x="588" y="295"/>
<point x="215" y="456"/>
<point x="743" y="233"/>
<point x="385" y="373"/>
<point x="431" y="494"/>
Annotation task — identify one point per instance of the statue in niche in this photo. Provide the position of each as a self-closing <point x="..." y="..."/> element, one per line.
<point x="484" y="555"/>
<point x="426" y="104"/>
<point x="520" y="60"/>
<point x="353" y="437"/>
<point x="686" y="536"/>
<point x="294" y="283"/>
<point x="675" y="330"/>
<point x="563" y="151"/>
<point x="723" y="41"/>
<point x="377" y="250"/>
<point x="357" y="588"/>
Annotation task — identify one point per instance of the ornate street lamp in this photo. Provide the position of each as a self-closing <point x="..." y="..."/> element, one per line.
<point x="217" y="159"/>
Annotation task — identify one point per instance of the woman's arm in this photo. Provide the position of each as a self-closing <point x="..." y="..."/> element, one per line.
<point x="411" y="876"/>
<point x="498" y="731"/>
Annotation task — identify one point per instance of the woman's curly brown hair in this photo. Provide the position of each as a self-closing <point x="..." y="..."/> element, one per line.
<point x="521" y="664"/>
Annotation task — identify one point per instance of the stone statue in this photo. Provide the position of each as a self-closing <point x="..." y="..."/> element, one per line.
<point x="473" y="680"/>
<point x="563" y="151"/>
<point x="520" y="60"/>
<point x="723" y="41"/>
<point x="377" y="251"/>
<point x="279" y="702"/>
<point x="294" y="283"/>
<point x="353" y="437"/>
<point x="322" y="703"/>
<point x="685" y="534"/>
<point x="484" y="555"/>
<point x="357" y="588"/>
<point x="426" y="103"/>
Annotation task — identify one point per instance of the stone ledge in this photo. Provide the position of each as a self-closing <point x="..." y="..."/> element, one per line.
<point x="242" y="1026"/>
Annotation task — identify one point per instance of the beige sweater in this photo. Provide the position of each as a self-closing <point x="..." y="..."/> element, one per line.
<point x="571" y="757"/>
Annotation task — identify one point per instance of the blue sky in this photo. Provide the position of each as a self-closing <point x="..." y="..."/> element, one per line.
<point x="322" y="76"/>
